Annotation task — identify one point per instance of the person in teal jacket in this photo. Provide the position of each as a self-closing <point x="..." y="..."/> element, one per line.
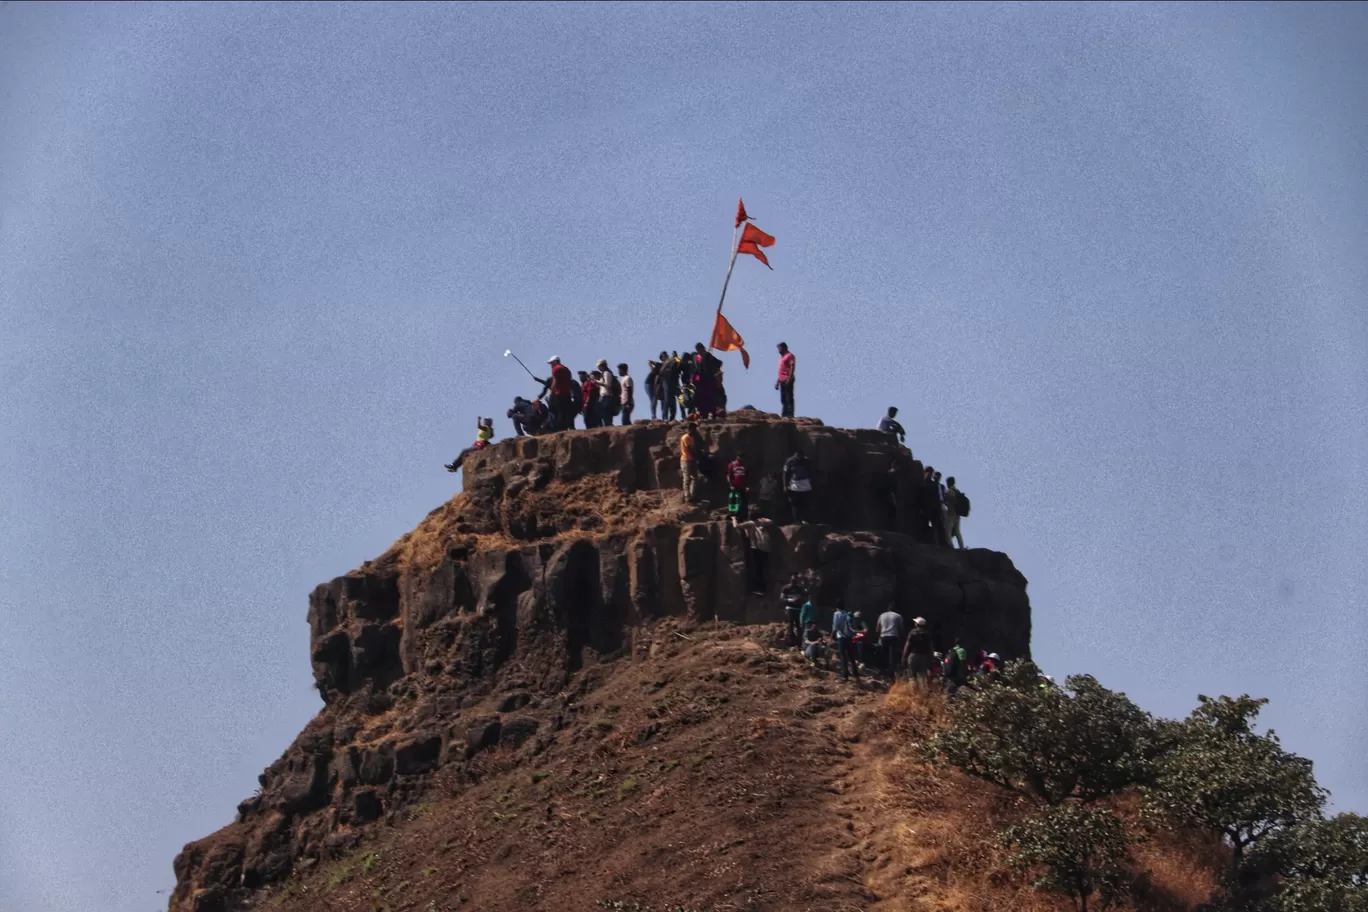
<point x="808" y="615"/>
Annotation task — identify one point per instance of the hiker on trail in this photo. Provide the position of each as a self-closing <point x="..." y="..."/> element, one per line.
<point x="484" y="432"/>
<point x="792" y="596"/>
<point x="956" y="508"/>
<point x="917" y="652"/>
<point x="610" y="394"/>
<point x="956" y="668"/>
<point x="889" y="425"/>
<point x="689" y="447"/>
<point x="564" y="402"/>
<point x="890" y="626"/>
<point x="860" y="640"/>
<point x="628" y="393"/>
<point x="529" y="418"/>
<point x="589" y="396"/>
<point x="738" y="493"/>
<point x="842" y="632"/>
<point x="808" y="613"/>
<point x="759" y="532"/>
<point x="784" y="384"/>
<point x="798" y="484"/>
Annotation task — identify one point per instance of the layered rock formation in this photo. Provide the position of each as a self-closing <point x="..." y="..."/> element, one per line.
<point x="561" y="551"/>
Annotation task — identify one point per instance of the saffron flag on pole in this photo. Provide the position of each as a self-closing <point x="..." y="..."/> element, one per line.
<point x="725" y="338"/>
<point x="741" y="213"/>
<point x="752" y="239"/>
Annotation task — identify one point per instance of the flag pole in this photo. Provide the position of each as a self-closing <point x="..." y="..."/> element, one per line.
<point x="727" y="280"/>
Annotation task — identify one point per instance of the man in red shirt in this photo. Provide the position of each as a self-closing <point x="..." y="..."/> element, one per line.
<point x="562" y="404"/>
<point x="785" y="382"/>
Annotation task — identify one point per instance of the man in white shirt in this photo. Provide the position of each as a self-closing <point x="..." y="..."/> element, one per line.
<point x="890" y="627"/>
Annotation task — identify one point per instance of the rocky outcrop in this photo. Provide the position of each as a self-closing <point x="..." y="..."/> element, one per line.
<point x="563" y="550"/>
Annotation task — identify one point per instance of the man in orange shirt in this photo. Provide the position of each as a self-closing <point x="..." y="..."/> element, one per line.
<point x="688" y="455"/>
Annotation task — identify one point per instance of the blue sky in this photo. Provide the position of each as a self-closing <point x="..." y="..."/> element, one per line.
<point x="258" y="266"/>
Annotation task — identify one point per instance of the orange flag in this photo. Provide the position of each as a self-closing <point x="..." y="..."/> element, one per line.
<point x="726" y="339"/>
<point x="752" y="239"/>
<point x="741" y="213"/>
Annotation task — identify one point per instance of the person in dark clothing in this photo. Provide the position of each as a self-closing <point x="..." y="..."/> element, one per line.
<point x="956" y="668"/>
<point x="929" y="502"/>
<point x="798" y="484"/>
<point x="669" y="386"/>
<point x="528" y="417"/>
<point x="885" y="486"/>
<point x="705" y="380"/>
<point x="793" y="595"/>
<point x="784" y="383"/>
<point x="564" y="399"/>
<point x="889" y="425"/>
<point x="653" y="387"/>
<point x="917" y="652"/>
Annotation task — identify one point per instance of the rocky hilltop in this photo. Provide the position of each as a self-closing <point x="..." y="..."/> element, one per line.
<point x="567" y="558"/>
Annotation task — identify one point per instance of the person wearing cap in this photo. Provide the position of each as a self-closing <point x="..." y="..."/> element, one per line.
<point x="784" y="384"/>
<point x="917" y="652"/>
<point x="561" y="403"/>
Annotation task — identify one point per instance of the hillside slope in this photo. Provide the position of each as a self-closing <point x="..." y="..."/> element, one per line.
<point x="714" y="772"/>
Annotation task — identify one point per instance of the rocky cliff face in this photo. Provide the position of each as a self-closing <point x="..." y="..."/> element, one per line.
<point x="559" y="554"/>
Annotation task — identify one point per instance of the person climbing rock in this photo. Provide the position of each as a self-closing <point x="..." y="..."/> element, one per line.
<point x="759" y="532"/>
<point x="890" y="626"/>
<point x="738" y="492"/>
<point x="792" y="597"/>
<point x="889" y="425"/>
<point x="484" y="432"/>
<point x="843" y="631"/>
<point x="917" y="652"/>
<point x="688" y="460"/>
<point x="798" y="484"/>
<point x="956" y="668"/>
<point x="784" y="384"/>
<point x="956" y="508"/>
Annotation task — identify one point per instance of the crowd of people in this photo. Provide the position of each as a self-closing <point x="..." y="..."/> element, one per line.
<point x="888" y="649"/>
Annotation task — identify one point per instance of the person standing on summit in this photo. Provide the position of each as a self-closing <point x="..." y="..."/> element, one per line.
<point x="785" y="382"/>
<point x="562" y="402"/>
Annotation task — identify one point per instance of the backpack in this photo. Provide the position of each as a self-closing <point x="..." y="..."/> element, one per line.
<point x="961" y="503"/>
<point x="577" y="396"/>
<point x="734" y="503"/>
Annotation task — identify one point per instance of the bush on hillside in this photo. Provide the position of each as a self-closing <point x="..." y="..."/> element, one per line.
<point x="1217" y="773"/>
<point x="1078" y="851"/>
<point x="1079" y="743"/>
<point x="1324" y="866"/>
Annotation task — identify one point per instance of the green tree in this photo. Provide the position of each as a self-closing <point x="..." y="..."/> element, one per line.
<point x="1082" y="742"/>
<point x="1324" y="865"/>
<point x="1217" y="772"/>
<point x="1077" y="851"/>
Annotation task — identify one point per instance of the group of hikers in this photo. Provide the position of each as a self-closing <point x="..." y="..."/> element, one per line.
<point x="888" y="649"/>
<point x="692" y="388"/>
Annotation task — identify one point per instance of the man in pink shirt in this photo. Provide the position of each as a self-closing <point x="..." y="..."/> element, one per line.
<point x="785" y="382"/>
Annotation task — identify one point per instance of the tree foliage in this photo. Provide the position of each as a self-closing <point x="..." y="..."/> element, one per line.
<point x="1217" y="772"/>
<point x="1078" y="851"/>
<point x="1082" y="742"/>
<point x="1324" y="866"/>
